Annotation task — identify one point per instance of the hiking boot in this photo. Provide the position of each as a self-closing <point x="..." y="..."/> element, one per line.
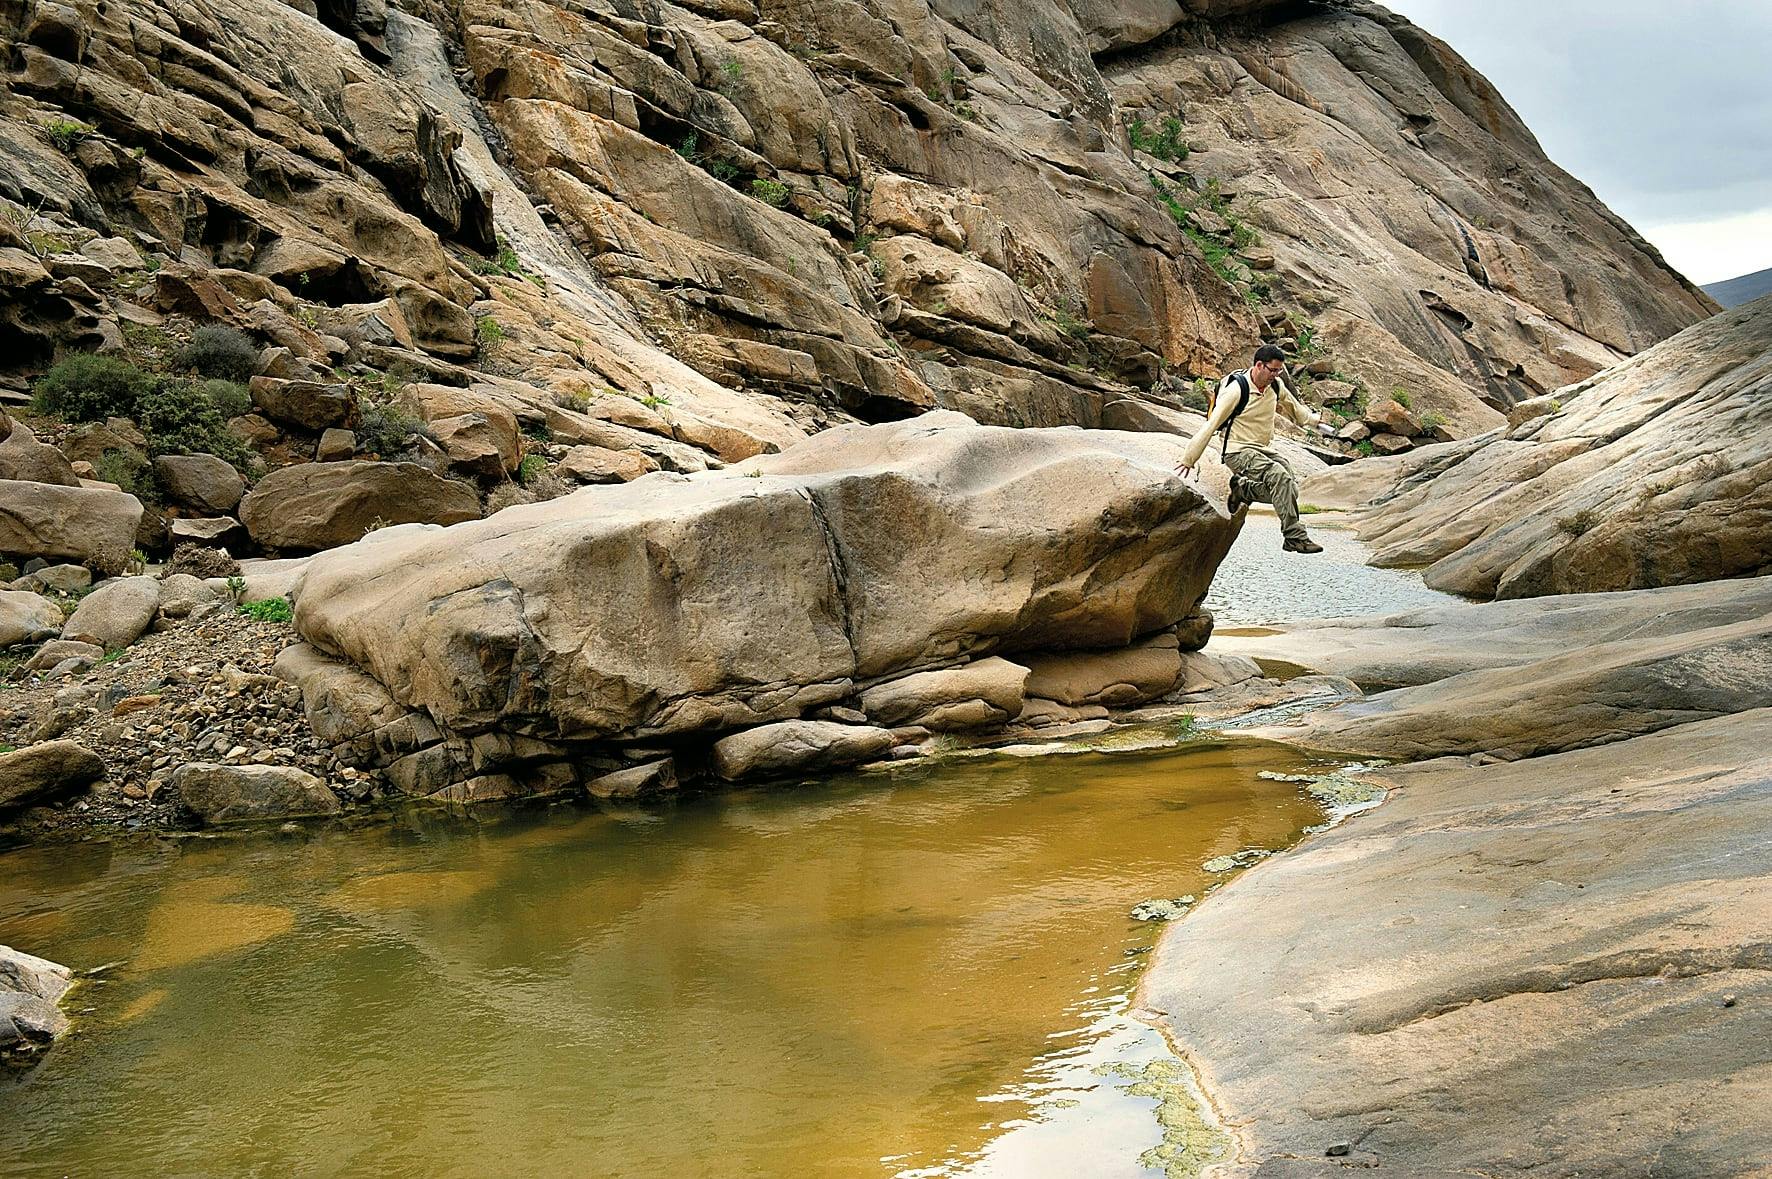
<point x="1235" y="502"/>
<point x="1303" y="545"/>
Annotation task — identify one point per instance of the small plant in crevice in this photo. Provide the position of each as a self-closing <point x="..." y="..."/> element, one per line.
<point x="65" y="133"/>
<point x="771" y="192"/>
<point x="488" y="332"/>
<point x="388" y="432"/>
<point x="1400" y="395"/>
<point x="1164" y="142"/>
<point x="1579" y="523"/>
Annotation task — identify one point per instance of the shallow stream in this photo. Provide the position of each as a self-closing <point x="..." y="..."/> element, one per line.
<point x="926" y="974"/>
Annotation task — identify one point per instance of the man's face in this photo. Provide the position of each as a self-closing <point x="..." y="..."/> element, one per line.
<point x="1271" y="367"/>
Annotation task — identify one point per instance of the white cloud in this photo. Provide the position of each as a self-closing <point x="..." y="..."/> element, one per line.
<point x="1717" y="249"/>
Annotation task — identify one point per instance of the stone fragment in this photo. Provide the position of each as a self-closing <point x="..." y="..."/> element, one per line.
<point x="310" y="405"/>
<point x="24" y="458"/>
<point x="335" y="445"/>
<point x="482" y="444"/>
<point x="798" y="746"/>
<point x="322" y="505"/>
<point x="597" y="464"/>
<point x="985" y="692"/>
<point x="653" y="777"/>
<point x="209" y="532"/>
<point x="182" y="593"/>
<point x="251" y="793"/>
<point x="1116" y="679"/>
<point x="57" y="650"/>
<point x="94" y="527"/>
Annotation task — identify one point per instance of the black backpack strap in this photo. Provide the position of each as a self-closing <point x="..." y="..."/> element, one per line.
<point x="1243" y="395"/>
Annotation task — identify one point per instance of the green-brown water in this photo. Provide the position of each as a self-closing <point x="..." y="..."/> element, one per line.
<point x="916" y="974"/>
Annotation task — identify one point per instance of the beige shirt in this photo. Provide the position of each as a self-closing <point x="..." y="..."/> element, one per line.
<point x="1255" y="425"/>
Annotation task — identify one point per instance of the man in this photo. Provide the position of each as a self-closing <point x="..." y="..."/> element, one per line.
<point x="1258" y="473"/>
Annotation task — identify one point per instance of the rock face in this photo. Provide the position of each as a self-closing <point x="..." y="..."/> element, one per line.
<point x="676" y="606"/>
<point x="842" y="208"/>
<point x="200" y="481"/>
<point x="1550" y="967"/>
<point x="235" y="794"/>
<point x="1655" y="472"/>
<point x="91" y="525"/>
<point x="320" y="505"/>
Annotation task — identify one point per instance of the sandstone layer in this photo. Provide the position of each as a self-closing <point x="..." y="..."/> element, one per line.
<point x="1655" y="472"/>
<point x="785" y="214"/>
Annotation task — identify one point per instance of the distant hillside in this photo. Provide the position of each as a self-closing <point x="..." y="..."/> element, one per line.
<point x="1736" y="291"/>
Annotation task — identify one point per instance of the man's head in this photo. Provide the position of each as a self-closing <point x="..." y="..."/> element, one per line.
<point x="1269" y="361"/>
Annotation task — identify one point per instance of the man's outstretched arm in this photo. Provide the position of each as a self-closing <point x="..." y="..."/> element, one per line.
<point x="1222" y="408"/>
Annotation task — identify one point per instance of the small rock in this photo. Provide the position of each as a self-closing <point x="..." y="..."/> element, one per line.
<point x="50" y="769"/>
<point x="1338" y="1149"/>
<point x="230" y="794"/>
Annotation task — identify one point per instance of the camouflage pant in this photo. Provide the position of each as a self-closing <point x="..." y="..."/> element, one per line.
<point x="1261" y="476"/>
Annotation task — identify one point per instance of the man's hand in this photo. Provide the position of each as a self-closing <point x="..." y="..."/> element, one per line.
<point x="1185" y="470"/>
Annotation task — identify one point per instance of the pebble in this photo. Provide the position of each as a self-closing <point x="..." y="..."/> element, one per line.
<point x="1337" y="1149"/>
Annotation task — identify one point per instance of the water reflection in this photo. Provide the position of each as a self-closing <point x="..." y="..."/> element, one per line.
<point x="918" y="974"/>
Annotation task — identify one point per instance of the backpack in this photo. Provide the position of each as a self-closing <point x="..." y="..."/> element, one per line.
<point x="1244" y="393"/>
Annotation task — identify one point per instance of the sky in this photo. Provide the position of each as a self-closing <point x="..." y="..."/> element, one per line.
<point x="1662" y="108"/>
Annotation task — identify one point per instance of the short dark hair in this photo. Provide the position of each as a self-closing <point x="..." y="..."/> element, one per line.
<point x="1269" y="352"/>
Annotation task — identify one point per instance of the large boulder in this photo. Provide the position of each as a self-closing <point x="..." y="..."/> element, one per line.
<point x="116" y="613"/>
<point x="1550" y="967"/>
<point x="91" y="525"/>
<point x="323" y="505"/>
<point x="680" y="604"/>
<point x="1655" y="472"/>
<point x="251" y="793"/>
<point x="46" y="771"/>
<point x="26" y="617"/>
<point x="200" y="481"/>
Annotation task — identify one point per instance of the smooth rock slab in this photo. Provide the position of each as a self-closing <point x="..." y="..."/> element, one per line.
<point x="653" y="777"/>
<point x="238" y="794"/>
<point x="323" y="505"/>
<point x="116" y="613"/>
<point x="46" y="771"/>
<point x="1116" y="679"/>
<point x="800" y="746"/>
<point x="1509" y="970"/>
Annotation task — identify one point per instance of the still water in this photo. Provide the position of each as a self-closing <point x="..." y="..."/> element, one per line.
<point x="920" y="974"/>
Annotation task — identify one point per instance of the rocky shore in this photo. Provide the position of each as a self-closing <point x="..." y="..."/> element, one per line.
<point x="1548" y="952"/>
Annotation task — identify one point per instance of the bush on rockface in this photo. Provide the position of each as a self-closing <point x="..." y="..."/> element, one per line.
<point x="181" y="417"/>
<point x="89" y="388"/>
<point x="222" y="352"/>
<point x="230" y="397"/>
<point x="131" y="471"/>
<point x="388" y="432"/>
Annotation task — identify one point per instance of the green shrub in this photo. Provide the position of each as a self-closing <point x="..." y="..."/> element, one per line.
<point x="131" y="471"/>
<point x="388" y="432"/>
<point x="180" y="417"/>
<point x="65" y="133"/>
<point x="88" y="388"/>
<point x="532" y="467"/>
<point x="770" y="192"/>
<point x="576" y="402"/>
<point x="488" y="331"/>
<point x="231" y="399"/>
<point x="1400" y="395"/>
<point x="1165" y="142"/>
<point x="269" y="610"/>
<point x="217" y="350"/>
